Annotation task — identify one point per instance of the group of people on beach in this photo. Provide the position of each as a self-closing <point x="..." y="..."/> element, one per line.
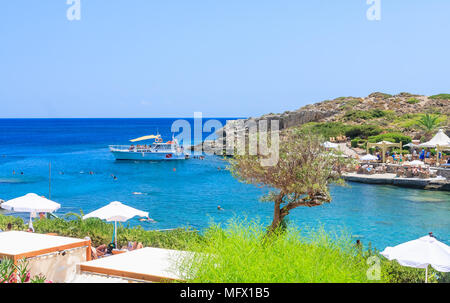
<point x="414" y="155"/>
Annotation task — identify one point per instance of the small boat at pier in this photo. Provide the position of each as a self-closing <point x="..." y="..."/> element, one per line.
<point x="158" y="150"/>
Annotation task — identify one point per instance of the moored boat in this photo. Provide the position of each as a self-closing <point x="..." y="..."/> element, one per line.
<point x="158" y="150"/>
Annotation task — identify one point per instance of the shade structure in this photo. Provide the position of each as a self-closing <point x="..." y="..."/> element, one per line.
<point x="116" y="212"/>
<point x="421" y="253"/>
<point x="368" y="157"/>
<point x="145" y="138"/>
<point x="384" y="145"/>
<point x="410" y="145"/>
<point x="31" y="203"/>
<point x="328" y="144"/>
<point x="439" y="139"/>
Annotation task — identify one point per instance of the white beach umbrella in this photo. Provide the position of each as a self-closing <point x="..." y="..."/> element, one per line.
<point x="416" y="163"/>
<point x="116" y="211"/>
<point x="368" y="157"/>
<point x="328" y="144"/>
<point x="31" y="203"/>
<point x="420" y="253"/>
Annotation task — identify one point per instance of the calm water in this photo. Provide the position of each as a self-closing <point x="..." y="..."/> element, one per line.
<point x="382" y="215"/>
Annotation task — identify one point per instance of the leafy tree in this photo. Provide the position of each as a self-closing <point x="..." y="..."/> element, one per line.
<point x="299" y="178"/>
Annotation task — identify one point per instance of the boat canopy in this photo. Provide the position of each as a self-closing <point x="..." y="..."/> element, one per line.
<point x="145" y="138"/>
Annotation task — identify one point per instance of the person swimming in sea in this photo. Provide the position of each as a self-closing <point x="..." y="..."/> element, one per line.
<point x="147" y="220"/>
<point x="219" y="208"/>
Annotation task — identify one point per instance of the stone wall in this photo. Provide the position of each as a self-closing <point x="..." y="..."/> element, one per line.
<point x="444" y="172"/>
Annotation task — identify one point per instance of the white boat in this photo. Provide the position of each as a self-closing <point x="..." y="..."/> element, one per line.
<point x="158" y="150"/>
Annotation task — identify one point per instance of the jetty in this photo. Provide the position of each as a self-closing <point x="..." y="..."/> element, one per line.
<point x="392" y="179"/>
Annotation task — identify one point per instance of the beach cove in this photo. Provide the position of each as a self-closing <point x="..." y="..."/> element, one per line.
<point x="187" y="193"/>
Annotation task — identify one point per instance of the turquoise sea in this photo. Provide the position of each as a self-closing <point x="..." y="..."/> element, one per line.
<point x="190" y="194"/>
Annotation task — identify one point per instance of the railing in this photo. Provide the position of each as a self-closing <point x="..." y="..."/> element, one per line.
<point x="127" y="148"/>
<point x="120" y="147"/>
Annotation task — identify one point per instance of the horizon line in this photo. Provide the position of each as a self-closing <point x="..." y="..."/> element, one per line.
<point x="36" y="118"/>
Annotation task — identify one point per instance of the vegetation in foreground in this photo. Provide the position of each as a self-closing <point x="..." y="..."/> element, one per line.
<point x="243" y="252"/>
<point x="101" y="232"/>
<point x="18" y="273"/>
<point x="247" y="254"/>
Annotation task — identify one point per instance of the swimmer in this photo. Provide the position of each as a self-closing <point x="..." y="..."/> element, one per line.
<point x="115" y="178"/>
<point x="174" y="169"/>
<point x="147" y="219"/>
<point x="219" y="208"/>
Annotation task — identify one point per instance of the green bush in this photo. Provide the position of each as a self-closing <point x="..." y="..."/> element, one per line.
<point x="356" y="142"/>
<point x="392" y="137"/>
<point x="441" y="96"/>
<point x="326" y="129"/>
<point x="355" y="115"/>
<point x="101" y="232"/>
<point x="362" y="131"/>
<point x="243" y="253"/>
<point x="413" y="101"/>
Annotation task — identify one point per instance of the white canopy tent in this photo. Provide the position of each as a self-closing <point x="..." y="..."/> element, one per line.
<point x="116" y="211"/>
<point x="440" y="141"/>
<point x="421" y="253"/>
<point x="31" y="203"/>
<point x="411" y="145"/>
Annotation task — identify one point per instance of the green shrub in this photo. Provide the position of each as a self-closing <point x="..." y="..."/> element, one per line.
<point x="243" y="253"/>
<point x="362" y="131"/>
<point x="441" y="96"/>
<point x="357" y="141"/>
<point x="355" y="115"/>
<point x="392" y="137"/>
<point x="101" y="232"/>
<point x="326" y="129"/>
<point x="413" y="101"/>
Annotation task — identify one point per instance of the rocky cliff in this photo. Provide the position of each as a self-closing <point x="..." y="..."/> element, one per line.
<point x="349" y="110"/>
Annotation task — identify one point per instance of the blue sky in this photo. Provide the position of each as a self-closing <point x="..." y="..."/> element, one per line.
<point x="148" y="58"/>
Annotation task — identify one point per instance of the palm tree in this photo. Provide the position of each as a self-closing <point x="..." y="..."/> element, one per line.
<point x="428" y="123"/>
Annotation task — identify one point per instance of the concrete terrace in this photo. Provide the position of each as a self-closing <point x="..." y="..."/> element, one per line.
<point x="392" y="179"/>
